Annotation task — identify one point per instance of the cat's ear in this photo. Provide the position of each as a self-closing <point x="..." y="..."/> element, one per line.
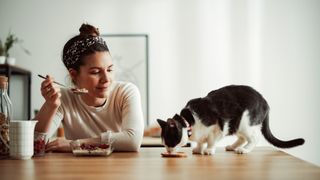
<point x="162" y="123"/>
<point x="180" y="119"/>
<point x="176" y="117"/>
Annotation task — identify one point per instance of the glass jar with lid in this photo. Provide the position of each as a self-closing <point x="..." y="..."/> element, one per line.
<point x="5" y="116"/>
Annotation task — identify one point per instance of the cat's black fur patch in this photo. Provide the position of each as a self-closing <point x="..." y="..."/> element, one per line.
<point x="227" y="104"/>
<point x="187" y="115"/>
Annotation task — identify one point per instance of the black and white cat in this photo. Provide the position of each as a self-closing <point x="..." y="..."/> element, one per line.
<point x="231" y="110"/>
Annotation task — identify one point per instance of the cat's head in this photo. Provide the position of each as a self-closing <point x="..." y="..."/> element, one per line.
<point x="174" y="133"/>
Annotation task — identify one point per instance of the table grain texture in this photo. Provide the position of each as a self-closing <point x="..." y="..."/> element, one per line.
<point x="261" y="163"/>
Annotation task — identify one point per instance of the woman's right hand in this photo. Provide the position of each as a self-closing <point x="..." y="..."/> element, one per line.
<point x="50" y="92"/>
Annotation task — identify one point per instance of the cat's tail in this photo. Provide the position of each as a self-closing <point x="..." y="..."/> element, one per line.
<point x="275" y="141"/>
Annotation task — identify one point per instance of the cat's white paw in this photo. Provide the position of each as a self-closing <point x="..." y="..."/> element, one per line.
<point x="197" y="150"/>
<point x="209" y="151"/>
<point x="229" y="148"/>
<point x="242" y="150"/>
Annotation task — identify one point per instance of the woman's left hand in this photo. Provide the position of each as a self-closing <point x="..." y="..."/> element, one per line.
<point x="59" y="144"/>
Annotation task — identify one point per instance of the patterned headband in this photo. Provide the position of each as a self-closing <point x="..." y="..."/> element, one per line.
<point x="78" y="47"/>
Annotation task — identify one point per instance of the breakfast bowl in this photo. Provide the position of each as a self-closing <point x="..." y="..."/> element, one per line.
<point x="87" y="149"/>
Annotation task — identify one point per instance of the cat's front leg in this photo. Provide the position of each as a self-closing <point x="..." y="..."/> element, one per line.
<point x="212" y="139"/>
<point x="199" y="148"/>
<point x="210" y="150"/>
<point x="201" y="144"/>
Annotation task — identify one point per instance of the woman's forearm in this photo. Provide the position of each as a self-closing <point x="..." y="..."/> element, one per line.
<point x="45" y="116"/>
<point x="127" y="140"/>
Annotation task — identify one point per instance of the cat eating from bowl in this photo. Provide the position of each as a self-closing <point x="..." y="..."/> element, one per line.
<point x="231" y="110"/>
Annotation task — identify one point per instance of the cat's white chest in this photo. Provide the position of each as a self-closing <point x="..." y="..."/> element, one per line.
<point x="200" y="131"/>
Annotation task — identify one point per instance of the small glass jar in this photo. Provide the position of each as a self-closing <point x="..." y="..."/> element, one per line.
<point x="39" y="144"/>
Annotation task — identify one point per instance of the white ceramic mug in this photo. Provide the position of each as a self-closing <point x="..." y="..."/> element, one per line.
<point x="21" y="134"/>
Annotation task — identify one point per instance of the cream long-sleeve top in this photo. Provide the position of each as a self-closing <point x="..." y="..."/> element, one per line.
<point x="119" y="120"/>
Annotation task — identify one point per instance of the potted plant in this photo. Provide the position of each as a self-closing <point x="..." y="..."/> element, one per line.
<point x="6" y="46"/>
<point x="2" y="53"/>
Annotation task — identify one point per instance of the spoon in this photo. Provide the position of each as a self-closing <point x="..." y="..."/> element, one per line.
<point x="74" y="90"/>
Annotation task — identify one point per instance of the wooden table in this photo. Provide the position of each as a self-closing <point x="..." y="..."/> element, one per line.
<point x="262" y="163"/>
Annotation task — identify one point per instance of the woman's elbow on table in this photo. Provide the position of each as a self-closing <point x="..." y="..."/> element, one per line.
<point x="134" y="147"/>
<point x="135" y="142"/>
<point x="127" y="141"/>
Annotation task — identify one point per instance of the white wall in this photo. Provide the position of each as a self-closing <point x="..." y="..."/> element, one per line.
<point x="195" y="46"/>
<point x="290" y="71"/>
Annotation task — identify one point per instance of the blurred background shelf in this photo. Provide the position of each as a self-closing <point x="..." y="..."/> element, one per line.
<point x="19" y="90"/>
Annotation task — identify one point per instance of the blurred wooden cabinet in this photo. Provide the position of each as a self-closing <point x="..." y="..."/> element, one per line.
<point x="19" y="90"/>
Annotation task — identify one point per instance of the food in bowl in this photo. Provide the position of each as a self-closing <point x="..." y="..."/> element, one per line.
<point x="176" y="154"/>
<point x="82" y="149"/>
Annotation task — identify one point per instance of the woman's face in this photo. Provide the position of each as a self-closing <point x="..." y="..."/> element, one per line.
<point x="96" y="74"/>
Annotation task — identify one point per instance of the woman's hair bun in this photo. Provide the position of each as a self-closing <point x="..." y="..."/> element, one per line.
<point x="87" y="29"/>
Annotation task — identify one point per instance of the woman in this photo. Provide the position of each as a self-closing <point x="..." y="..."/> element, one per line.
<point x="109" y="112"/>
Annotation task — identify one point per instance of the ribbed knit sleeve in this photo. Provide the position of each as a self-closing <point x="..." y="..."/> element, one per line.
<point x="132" y="126"/>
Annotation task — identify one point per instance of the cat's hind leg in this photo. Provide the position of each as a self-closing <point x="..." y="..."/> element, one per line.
<point x="238" y="143"/>
<point x="252" y="136"/>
